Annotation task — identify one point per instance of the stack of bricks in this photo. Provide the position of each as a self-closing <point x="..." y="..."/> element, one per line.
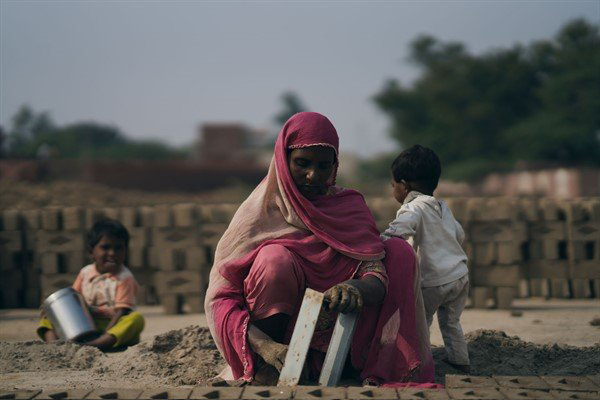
<point x="12" y="266"/>
<point x="496" y="236"/>
<point x="177" y="251"/>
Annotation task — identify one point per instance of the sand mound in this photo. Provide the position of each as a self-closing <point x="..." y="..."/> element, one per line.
<point x="496" y="353"/>
<point x="189" y="357"/>
<point x="37" y="356"/>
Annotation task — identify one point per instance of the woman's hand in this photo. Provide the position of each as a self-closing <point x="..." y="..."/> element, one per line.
<point x="344" y="297"/>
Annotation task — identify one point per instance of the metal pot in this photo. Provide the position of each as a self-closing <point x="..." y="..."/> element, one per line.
<point x="69" y="314"/>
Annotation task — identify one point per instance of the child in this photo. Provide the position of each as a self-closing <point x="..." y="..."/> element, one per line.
<point x="108" y="288"/>
<point x="428" y="224"/>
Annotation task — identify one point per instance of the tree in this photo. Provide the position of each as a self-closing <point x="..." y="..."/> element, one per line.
<point x="535" y="103"/>
<point x="291" y="105"/>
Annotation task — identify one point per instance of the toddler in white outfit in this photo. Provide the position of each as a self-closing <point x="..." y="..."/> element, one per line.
<point x="429" y="226"/>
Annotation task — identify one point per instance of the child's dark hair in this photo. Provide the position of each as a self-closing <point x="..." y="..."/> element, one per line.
<point x="419" y="166"/>
<point x="107" y="227"/>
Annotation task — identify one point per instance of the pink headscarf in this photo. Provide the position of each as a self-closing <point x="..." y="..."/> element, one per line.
<point x="331" y="235"/>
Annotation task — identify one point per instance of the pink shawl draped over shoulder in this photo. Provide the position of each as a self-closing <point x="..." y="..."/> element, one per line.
<point x="331" y="235"/>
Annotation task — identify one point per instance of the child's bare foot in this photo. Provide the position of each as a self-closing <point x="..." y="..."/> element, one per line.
<point x="50" y="336"/>
<point x="104" y="342"/>
<point x="265" y="375"/>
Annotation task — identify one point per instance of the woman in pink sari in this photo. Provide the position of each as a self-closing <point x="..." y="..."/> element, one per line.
<point x="297" y="230"/>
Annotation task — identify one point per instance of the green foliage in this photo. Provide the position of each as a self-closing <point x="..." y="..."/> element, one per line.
<point x="32" y="134"/>
<point x="482" y="113"/>
<point x="291" y="105"/>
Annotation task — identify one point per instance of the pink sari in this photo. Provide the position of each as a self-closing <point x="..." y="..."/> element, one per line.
<point x="331" y="235"/>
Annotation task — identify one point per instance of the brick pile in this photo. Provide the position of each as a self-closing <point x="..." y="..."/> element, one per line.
<point x="516" y="247"/>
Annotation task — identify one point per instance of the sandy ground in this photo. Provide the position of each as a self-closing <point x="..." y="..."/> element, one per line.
<point x="177" y="350"/>
<point x="542" y="322"/>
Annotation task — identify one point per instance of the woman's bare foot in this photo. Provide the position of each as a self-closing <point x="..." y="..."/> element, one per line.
<point x="262" y="344"/>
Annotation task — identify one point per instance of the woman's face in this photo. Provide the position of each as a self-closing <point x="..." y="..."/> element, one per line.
<point x="311" y="167"/>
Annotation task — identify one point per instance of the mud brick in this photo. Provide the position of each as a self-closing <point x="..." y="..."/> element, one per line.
<point x="318" y="392"/>
<point x="514" y="393"/>
<point x="176" y="238"/>
<point x="457" y="205"/>
<point x="539" y="288"/>
<point x="523" y="382"/>
<point x="498" y="275"/>
<point x="508" y="252"/>
<point x="130" y="217"/>
<point x="475" y="393"/>
<point x="523" y="290"/>
<point x="371" y="393"/>
<point x="163" y="216"/>
<point x="60" y="241"/>
<point x="48" y="263"/>
<point x="12" y="279"/>
<point x="480" y="296"/>
<point x="475" y="208"/>
<point x="18" y="394"/>
<point x="179" y="282"/>
<point x="596" y="286"/>
<point x="568" y="394"/>
<point x="11" y="220"/>
<point x="217" y="213"/>
<point x="528" y="210"/>
<point x="195" y="302"/>
<point x="66" y="394"/>
<point x="171" y="303"/>
<point x="211" y="233"/>
<point x="32" y="297"/>
<point x="414" y="393"/>
<point x="559" y="288"/>
<point x="484" y="253"/>
<point x="551" y="209"/>
<point x="73" y="218"/>
<point x="485" y="232"/>
<point x="499" y="209"/>
<point x="586" y="231"/>
<point x="146" y="215"/>
<point x="165" y="393"/>
<point x="52" y="218"/>
<point x="184" y="215"/>
<point x="465" y="381"/>
<point x="227" y="393"/>
<point x="139" y="237"/>
<point x="114" y="394"/>
<point x="195" y="258"/>
<point x="91" y="216"/>
<point x="10" y="260"/>
<point x="267" y="392"/>
<point x="52" y="283"/>
<point x="32" y="219"/>
<point x="10" y="298"/>
<point x="570" y="383"/>
<point x="170" y="259"/>
<point x="581" y="288"/>
<point x="137" y="257"/>
<point x="383" y="209"/>
<point x="544" y="230"/>
<point x="504" y="297"/>
<point x="547" y="269"/>
<point x="11" y="241"/>
<point x="111" y="212"/>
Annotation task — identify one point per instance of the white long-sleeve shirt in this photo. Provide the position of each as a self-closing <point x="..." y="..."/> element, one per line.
<point x="430" y="227"/>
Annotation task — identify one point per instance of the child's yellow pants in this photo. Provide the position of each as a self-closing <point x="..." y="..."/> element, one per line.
<point x="127" y="329"/>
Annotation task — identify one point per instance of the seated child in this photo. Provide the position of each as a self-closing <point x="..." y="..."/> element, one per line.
<point x="428" y="224"/>
<point x="108" y="288"/>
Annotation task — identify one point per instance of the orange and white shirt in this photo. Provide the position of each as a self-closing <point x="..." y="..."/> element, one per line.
<point x="105" y="292"/>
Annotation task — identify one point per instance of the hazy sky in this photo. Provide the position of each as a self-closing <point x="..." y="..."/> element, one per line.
<point x="158" y="69"/>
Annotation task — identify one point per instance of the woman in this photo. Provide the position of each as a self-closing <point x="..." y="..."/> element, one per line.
<point x="298" y="230"/>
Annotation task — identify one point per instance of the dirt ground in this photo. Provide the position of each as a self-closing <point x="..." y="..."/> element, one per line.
<point x="551" y="337"/>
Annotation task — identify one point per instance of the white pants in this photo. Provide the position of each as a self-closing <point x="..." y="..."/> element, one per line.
<point x="449" y="301"/>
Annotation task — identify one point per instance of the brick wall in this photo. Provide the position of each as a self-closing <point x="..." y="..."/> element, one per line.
<point x="516" y="247"/>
